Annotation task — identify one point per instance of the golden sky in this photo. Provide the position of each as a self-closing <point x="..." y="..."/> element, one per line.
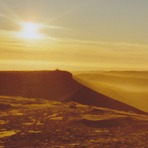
<point x="73" y="35"/>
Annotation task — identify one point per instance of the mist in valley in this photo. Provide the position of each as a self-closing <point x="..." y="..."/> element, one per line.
<point x="126" y="86"/>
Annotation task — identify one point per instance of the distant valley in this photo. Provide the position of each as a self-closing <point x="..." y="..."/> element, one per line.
<point x="130" y="87"/>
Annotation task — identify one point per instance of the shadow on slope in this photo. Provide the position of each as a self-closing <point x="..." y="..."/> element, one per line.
<point x="55" y="85"/>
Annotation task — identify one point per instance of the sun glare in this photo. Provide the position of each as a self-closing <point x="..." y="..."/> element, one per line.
<point x="31" y="31"/>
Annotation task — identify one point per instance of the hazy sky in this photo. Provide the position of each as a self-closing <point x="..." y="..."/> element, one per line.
<point x="78" y="34"/>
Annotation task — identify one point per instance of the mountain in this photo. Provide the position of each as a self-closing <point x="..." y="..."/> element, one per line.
<point x="55" y="85"/>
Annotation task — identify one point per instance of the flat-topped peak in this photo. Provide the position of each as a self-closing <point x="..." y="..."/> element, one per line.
<point x="55" y="85"/>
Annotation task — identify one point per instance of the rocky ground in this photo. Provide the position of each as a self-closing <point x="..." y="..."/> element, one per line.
<point x="38" y="123"/>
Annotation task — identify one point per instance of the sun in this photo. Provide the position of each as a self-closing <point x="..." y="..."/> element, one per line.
<point x="30" y="31"/>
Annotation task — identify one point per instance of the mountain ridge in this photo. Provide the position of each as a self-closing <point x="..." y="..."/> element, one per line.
<point x="55" y="85"/>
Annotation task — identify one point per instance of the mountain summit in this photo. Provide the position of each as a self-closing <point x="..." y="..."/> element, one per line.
<point x="55" y="85"/>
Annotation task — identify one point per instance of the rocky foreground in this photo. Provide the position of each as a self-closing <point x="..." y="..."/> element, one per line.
<point x="39" y="123"/>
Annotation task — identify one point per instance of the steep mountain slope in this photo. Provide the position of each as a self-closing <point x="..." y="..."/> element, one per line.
<point x="55" y="85"/>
